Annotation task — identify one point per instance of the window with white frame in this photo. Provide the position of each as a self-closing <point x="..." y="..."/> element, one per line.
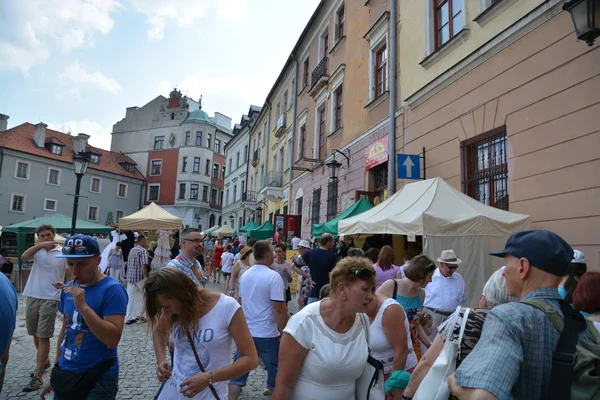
<point x="17" y="202"/>
<point x="22" y="170"/>
<point x="208" y="140"/>
<point x="302" y="142"/>
<point x="381" y="70"/>
<point x="340" y="23"/>
<point x="182" y="189"/>
<point x="207" y="167"/>
<point x="96" y="185"/>
<point x="378" y="57"/>
<point x="155" y="167"/>
<point x="324" y="43"/>
<point x="217" y="146"/>
<point x="153" y="192"/>
<point x="194" y="191"/>
<point x="196" y="165"/>
<point x="188" y="136"/>
<point x="285" y="101"/>
<point x="95" y="159"/>
<point x="92" y="213"/>
<point x="278" y="110"/>
<point x="265" y="135"/>
<point x="53" y="176"/>
<point x="305" y="72"/>
<point x="159" y="142"/>
<point x="321" y="133"/>
<point x="216" y="170"/>
<point x="122" y="190"/>
<point x="199" y="138"/>
<point x="184" y="164"/>
<point x="234" y="193"/>
<point x="289" y="153"/>
<point x="204" y="193"/>
<point x="237" y="163"/>
<point x="56" y="149"/>
<point x="120" y="214"/>
<point x="50" y="205"/>
<point x="227" y="198"/>
<point x="338" y="103"/>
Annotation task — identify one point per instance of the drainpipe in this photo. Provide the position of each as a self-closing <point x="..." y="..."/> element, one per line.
<point x="392" y="136"/>
<point x="142" y="194"/>
<point x="268" y="133"/>
<point x="294" y="111"/>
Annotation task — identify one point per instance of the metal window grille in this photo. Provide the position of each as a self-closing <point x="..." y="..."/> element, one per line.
<point x="332" y="196"/>
<point x="316" y="206"/>
<point x="485" y="170"/>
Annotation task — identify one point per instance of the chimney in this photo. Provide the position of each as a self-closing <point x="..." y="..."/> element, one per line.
<point x="3" y="122"/>
<point x="39" y="135"/>
<point x="80" y="143"/>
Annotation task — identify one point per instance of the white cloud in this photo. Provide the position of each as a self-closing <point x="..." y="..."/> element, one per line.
<point x="98" y="137"/>
<point x="185" y="12"/>
<point x="77" y="73"/>
<point x="164" y="87"/>
<point x="29" y="28"/>
<point x="68" y="94"/>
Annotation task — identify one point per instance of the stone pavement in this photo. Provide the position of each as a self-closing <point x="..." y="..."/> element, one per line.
<point x="137" y="378"/>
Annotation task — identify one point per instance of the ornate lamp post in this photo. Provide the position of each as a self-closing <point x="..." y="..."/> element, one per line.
<point x="586" y="18"/>
<point x="80" y="163"/>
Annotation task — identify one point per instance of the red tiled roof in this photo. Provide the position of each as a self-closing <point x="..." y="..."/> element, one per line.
<point x="20" y="138"/>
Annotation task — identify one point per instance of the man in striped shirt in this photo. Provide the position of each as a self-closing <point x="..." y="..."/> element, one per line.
<point x="191" y="247"/>
<point x="137" y="264"/>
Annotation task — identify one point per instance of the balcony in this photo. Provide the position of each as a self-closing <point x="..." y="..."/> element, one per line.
<point x="281" y="125"/>
<point x="215" y="205"/>
<point x="320" y="77"/>
<point x="249" y="200"/>
<point x="256" y="158"/>
<point x="273" y="185"/>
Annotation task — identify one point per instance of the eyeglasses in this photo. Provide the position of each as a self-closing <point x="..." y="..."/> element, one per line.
<point x="79" y="250"/>
<point x="193" y="240"/>
<point x="362" y="273"/>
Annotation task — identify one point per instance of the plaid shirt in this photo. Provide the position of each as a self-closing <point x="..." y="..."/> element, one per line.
<point x="138" y="256"/>
<point x="513" y="357"/>
<point x="181" y="262"/>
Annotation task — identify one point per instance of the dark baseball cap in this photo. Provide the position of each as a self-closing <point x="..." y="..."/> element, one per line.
<point x="545" y="250"/>
<point x="80" y="246"/>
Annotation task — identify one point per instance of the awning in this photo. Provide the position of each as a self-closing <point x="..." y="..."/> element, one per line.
<point x="60" y="222"/>
<point x="224" y="231"/>
<point x="360" y="206"/>
<point x="210" y="230"/>
<point x="150" y="218"/>
<point x="263" y="232"/>
<point x="248" y="227"/>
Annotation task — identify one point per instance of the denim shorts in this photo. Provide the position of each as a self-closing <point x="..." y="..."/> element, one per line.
<point x="268" y="352"/>
<point x="105" y="389"/>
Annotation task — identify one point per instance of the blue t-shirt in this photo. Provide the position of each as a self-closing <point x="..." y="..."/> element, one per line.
<point x="80" y="349"/>
<point x="8" y="313"/>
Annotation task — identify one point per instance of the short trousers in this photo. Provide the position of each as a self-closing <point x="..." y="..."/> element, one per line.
<point x="226" y="274"/>
<point x="288" y="295"/>
<point x="40" y="317"/>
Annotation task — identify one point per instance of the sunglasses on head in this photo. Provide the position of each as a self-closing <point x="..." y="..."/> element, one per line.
<point x="79" y="250"/>
<point x="362" y="273"/>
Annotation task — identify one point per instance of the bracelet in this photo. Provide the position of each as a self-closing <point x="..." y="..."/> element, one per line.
<point x="210" y="382"/>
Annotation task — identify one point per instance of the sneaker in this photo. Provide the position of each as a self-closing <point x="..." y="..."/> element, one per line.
<point x="34" y="384"/>
<point x="45" y="368"/>
<point x="266" y="392"/>
<point x="131" y="321"/>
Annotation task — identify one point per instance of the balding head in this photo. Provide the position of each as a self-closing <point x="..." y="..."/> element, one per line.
<point x="326" y="241"/>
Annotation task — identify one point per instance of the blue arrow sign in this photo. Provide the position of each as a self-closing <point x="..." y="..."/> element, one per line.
<point x="409" y="166"/>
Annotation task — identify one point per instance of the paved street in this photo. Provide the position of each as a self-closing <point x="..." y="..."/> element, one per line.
<point x="137" y="379"/>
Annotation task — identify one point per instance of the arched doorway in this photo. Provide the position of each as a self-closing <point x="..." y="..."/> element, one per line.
<point x="211" y="220"/>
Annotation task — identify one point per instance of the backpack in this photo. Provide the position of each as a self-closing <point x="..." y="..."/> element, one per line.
<point x="575" y="363"/>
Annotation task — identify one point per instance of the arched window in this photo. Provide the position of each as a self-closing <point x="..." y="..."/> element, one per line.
<point x="220" y="219"/>
<point x="212" y="220"/>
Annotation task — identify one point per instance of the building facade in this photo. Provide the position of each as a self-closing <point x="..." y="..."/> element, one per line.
<point x="37" y="177"/>
<point x="253" y="202"/>
<point x="182" y="150"/>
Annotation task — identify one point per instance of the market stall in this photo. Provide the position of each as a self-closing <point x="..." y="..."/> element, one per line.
<point x="150" y="218"/>
<point x="224" y="231"/>
<point x="265" y="231"/>
<point x="331" y="227"/>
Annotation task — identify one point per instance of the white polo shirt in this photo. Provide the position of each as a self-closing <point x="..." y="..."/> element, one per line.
<point x="445" y="294"/>
<point x="260" y="285"/>
<point x="46" y="270"/>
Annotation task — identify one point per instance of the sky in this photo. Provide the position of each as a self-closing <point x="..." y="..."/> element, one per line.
<point x="76" y="65"/>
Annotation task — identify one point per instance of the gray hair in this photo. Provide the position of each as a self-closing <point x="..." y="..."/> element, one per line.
<point x="496" y="291"/>
<point x="355" y="252"/>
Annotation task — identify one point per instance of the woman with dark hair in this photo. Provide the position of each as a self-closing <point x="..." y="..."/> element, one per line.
<point x="586" y="297"/>
<point x="385" y="268"/>
<point x="576" y="270"/>
<point x="204" y="325"/>
<point x="372" y="254"/>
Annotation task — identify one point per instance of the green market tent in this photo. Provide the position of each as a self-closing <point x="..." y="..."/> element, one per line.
<point x="248" y="227"/>
<point x="360" y="206"/>
<point x="210" y="230"/>
<point x="263" y="232"/>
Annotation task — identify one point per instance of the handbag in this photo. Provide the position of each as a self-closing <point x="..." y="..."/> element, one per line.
<point x="435" y="384"/>
<point x="210" y="385"/>
<point x="69" y="385"/>
<point x="370" y="384"/>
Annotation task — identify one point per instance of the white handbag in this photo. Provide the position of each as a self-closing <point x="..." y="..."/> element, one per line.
<point x="370" y="384"/>
<point x="435" y="384"/>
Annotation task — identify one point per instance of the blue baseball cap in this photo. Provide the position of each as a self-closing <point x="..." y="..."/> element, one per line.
<point x="80" y="246"/>
<point x="545" y="250"/>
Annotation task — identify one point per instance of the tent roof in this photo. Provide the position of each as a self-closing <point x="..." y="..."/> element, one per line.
<point x="358" y="207"/>
<point x="263" y="232"/>
<point x="152" y="217"/>
<point x="225" y="230"/>
<point x="248" y="227"/>
<point x="210" y="230"/>
<point x="433" y="207"/>
<point x="60" y="222"/>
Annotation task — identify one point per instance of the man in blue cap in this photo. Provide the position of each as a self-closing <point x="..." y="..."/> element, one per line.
<point x="93" y="307"/>
<point x="513" y="357"/>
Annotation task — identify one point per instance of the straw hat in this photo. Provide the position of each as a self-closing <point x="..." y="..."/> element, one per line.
<point x="449" y="257"/>
<point x="245" y="250"/>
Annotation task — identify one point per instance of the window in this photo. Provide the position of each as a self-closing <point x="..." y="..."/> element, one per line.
<point x="448" y="20"/>
<point x="217" y="146"/>
<point x="302" y="147"/>
<point x="332" y="196"/>
<point x="325" y="44"/>
<point x="221" y="197"/>
<point x="183" y="188"/>
<point x="22" y="171"/>
<point x="199" y="138"/>
<point x="213" y="196"/>
<point x="285" y="101"/>
<point x="120" y="214"/>
<point x="184" y="165"/>
<point x="305" y="73"/>
<point x="196" y="164"/>
<point x="299" y="206"/>
<point x="205" y="193"/>
<point x="322" y="135"/>
<point x="316" y="206"/>
<point x="49" y="205"/>
<point x="128" y="167"/>
<point x="227" y="198"/>
<point x="216" y="168"/>
<point x="56" y="149"/>
<point x="17" y="203"/>
<point x="234" y="193"/>
<point x="380" y="70"/>
<point x="237" y="161"/>
<point x="53" y="176"/>
<point x="243" y="187"/>
<point x="96" y="185"/>
<point x="188" y="136"/>
<point x="122" y="190"/>
<point x="172" y="116"/>
<point x="153" y="192"/>
<point x="95" y="159"/>
<point x="92" y="213"/>
<point x="278" y="113"/>
<point x="155" y="167"/>
<point x="194" y="191"/>
<point x="340" y="22"/>
<point x="230" y="164"/>
<point x="245" y="154"/>
<point x="338" y="103"/>
<point x="485" y="176"/>
<point x="223" y="173"/>
<point x="207" y="167"/>
<point x="265" y="135"/>
<point x="208" y="137"/>
<point x="159" y="142"/>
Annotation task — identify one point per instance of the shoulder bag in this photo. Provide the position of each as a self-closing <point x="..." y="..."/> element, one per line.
<point x="210" y="385"/>
<point x="435" y="384"/>
<point x="70" y="385"/>
<point x="370" y="384"/>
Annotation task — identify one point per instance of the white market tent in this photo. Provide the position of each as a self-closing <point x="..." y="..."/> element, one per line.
<point x="447" y="219"/>
<point x="223" y="231"/>
<point x="150" y="218"/>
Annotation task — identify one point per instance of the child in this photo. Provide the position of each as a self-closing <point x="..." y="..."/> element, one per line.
<point x="324" y="292"/>
<point x="426" y="322"/>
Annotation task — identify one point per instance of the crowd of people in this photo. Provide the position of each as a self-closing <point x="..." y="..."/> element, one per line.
<point x="354" y="306"/>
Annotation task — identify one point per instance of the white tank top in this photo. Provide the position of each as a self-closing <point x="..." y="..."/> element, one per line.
<point x="381" y="348"/>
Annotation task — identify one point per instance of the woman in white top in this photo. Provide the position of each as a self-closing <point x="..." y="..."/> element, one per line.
<point x="227" y="266"/>
<point x="213" y="321"/>
<point x="390" y="335"/>
<point x="240" y="266"/>
<point x="284" y="269"/>
<point x="326" y="342"/>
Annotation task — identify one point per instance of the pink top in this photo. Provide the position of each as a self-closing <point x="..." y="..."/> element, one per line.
<point x="381" y="276"/>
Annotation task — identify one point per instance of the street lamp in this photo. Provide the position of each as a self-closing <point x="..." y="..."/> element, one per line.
<point x="586" y="18"/>
<point x="80" y="163"/>
<point x="334" y="168"/>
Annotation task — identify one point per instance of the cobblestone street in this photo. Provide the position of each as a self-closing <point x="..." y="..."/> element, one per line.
<point x="137" y="379"/>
